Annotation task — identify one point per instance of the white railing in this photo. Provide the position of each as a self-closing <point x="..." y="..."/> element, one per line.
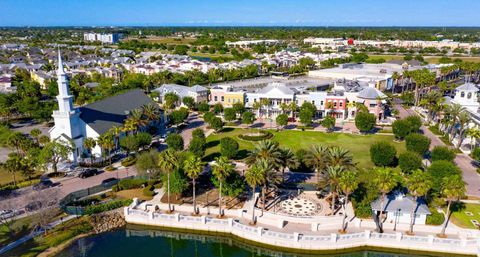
<point x="299" y="240"/>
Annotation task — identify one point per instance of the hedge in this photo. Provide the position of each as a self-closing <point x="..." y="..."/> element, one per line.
<point x="265" y="135"/>
<point x="131" y="183"/>
<point x="94" y="209"/>
<point x="129" y="161"/>
<point x="148" y="191"/>
<point x="435" y="218"/>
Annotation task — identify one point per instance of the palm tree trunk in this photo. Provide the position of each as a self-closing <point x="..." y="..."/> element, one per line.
<point x="380" y="222"/>
<point x="194" y="199"/>
<point x="333" y="202"/>
<point x="447" y="217"/>
<point x="412" y="214"/>
<point x="168" y="191"/>
<point x="253" y="205"/>
<point x="220" y="201"/>
<point x="345" y="213"/>
<point x="263" y="199"/>
<point x="14" y="179"/>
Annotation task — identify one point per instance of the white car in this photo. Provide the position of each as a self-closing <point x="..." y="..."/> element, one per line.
<point x="6" y="214"/>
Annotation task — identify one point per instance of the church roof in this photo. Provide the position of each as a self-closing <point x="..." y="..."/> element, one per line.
<point x="107" y="113"/>
<point x="467" y="87"/>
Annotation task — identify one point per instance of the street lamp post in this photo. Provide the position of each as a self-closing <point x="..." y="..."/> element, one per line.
<point x="397" y="213"/>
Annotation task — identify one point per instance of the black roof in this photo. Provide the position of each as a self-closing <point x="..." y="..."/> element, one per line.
<point x="112" y="111"/>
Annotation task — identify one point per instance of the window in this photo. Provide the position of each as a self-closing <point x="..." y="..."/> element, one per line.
<point x="340" y="104"/>
<point x="469" y="95"/>
<point x="313" y="102"/>
<point x="229" y="100"/>
<point x="462" y="94"/>
<point x="223" y="98"/>
<point x="335" y="104"/>
<point x="373" y="105"/>
<point x="215" y="98"/>
<point x="321" y="103"/>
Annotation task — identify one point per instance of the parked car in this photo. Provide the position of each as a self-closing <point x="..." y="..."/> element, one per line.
<point x="88" y="173"/>
<point x="6" y="214"/>
<point x="43" y="185"/>
<point x="109" y="181"/>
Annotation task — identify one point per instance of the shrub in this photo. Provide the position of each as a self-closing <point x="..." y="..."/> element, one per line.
<point x="179" y="116"/>
<point x="143" y="139"/>
<point x="130" y="183"/>
<point x="229" y="114"/>
<point x="129" y="143"/>
<point x="409" y="161"/>
<point x="435" y="218"/>
<point x="442" y="153"/>
<point x="218" y="108"/>
<point x="208" y="116"/>
<point x="401" y="128"/>
<point x="415" y="123"/>
<point x="475" y="154"/>
<point x="148" y="191"/>
<point x="439" y="170"/>
<point x="203" y="107"/>
<point x="228" y="147"/>
<point x="175" y="141"/>
<point x="264" y="135"/>
<point x="306" y="117"/>
<point x="197" y="146"/>
<point x="365" y="121"/>
<point x="233" y="185"/>
<point x="198" y="133"/>
<point x="109" y="168"/>
<point x="94" y="209"/>
<point x="129" y="161"/>
<point x="328" y="122"/>
<point x="282" y="120"/>
<point x="115" y="188"/>
<point x="417" y="143"/>
<point x="248" y="118"/>
<point x="216" y="124"/>
<point x="383" y="154"/>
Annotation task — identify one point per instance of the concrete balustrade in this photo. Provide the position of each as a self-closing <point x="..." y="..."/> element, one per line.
<point x="299" y="240"/>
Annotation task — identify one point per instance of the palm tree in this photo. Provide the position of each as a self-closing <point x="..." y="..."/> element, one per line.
<point x="89" y="144"/>
<point x="463" y="121"/>
<point x="116" y="131"/>
<point x="317" y="158"/>
<point x="105" y="141"/>
<point x="193" y="167"/>
<point x="137" y="116"/>
<point x="257" y="106"/>
<point x="265" y="102"/>
<point x="222" y="168"/>
<point x="289" y="160"/>
<point x="36" y="134"/>
<point x="130" y="125"/>
<point x="395" y="77"/>
<point x="284" y="107"/>
<point x="385" y="179"/>
<point x="293" y="108"/>
<point x="168" y="162"/>
<point x="341" y="157"/>
<point x="474" y="134"/>
<point x="418" y="184"/>
<point x="331" y="178"/>
<point x="268" y="150"/>
<point x="151" y="112"/>
<point x="254" y="177"/>
<point x="452" y="112"/>
<point x="453" y="187"/>
<point x="271" y="178"/>
<point x="347" y="183"/>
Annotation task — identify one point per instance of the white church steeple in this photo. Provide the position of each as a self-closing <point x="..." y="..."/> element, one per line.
<point x="64" y="99"/>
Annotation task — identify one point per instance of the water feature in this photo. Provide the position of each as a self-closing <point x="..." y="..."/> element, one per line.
<point x="144" y="242"/>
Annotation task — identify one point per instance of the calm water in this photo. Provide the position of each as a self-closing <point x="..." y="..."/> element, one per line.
<point x="136" y="242"/>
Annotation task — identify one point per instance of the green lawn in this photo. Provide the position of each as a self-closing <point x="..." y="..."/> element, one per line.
<point x="359" y="145"/>
<point x="460" y="217"/>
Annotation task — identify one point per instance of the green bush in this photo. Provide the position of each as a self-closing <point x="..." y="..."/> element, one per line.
<point x="131" y="183"/>
<point x="264" y="135"/>
<point x="383" y="154"/>
<point x="115" y="188"/>
<point x="129" y="161"/>
<point x="409" y="161"/>
<point x="415" y="123"/>
<point x="417" y="143"/>
<point x="148" y="191"/>
<point x="228" y="147"/>
<point x="475" y="154"/>
<point x="93" y="209"/>
<point x="401" y="128"/>
<point x="436" y="218"/>
<point x="365" y="121"/>
<point x="442" y="153"/>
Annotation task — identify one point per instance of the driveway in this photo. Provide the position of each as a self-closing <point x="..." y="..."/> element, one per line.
<point x="463" y="161"/>
<point x="193" y="122"/>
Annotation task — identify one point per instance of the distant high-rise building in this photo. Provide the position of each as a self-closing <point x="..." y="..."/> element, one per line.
<point x="109" y="38"/>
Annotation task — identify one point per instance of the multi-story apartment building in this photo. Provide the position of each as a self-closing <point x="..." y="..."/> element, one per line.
<point x="226" y="95"/>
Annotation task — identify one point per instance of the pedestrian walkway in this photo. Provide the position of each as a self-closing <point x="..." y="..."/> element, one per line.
<point x="34" y="234"/>
<point x="463" y="161"/>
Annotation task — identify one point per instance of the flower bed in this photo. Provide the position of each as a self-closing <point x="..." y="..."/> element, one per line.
<point x="259" y="136"/>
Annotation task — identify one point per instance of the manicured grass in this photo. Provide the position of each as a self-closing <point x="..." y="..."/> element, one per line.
<point x="460" y="218"/>
<point x="133" y="193"/>
<point x="359" y="145"/>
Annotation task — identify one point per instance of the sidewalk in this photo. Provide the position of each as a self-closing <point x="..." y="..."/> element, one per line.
<point x="463" y="161"/>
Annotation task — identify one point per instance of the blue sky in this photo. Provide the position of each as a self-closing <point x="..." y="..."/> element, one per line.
<point x="239" y="12"/>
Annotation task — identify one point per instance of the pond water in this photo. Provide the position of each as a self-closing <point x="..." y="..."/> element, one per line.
<point x="143" y="242"/>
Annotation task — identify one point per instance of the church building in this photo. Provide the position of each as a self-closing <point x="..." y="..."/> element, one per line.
<point x="74" y="125"/>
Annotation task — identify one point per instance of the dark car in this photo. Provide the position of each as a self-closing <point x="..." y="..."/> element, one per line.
<point x="109" y="181"/>
<point x="88" y="173"/>
<point x="43" y="185"/>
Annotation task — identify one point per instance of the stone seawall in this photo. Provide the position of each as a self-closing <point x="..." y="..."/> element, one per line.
<point x="107" y="221"/>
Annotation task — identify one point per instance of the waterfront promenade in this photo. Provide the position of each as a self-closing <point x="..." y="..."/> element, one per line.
<point x="321" y="235"/>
